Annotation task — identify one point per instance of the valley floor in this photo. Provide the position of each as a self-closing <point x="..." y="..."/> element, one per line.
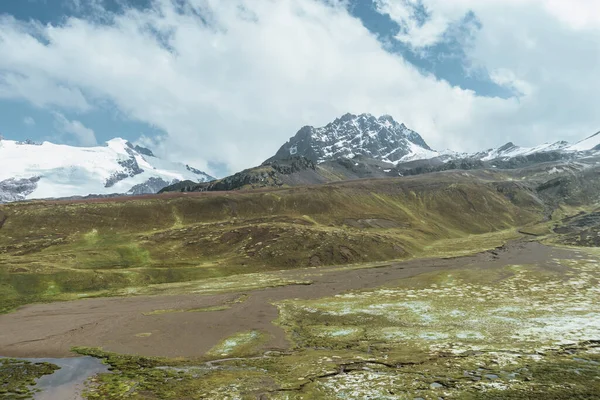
<point x="521" y="321"/>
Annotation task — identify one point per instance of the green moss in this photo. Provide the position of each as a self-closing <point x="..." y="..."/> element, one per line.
<point x="517" y="308"/>
<point x="18" y="377"/>
<point x="316" y="374"/>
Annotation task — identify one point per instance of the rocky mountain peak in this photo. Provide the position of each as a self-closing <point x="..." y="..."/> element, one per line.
<point x="350" y="135"/>
<point x="507" y="146"/>
<point x="345" y="118"/>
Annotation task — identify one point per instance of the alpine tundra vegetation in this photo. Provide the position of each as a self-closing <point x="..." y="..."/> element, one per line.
<point x="459" y="284"/>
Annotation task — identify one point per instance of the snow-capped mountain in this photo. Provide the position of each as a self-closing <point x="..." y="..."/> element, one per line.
<point x="386" y="140"/>
<point x="510" y="150"/>
<point x="588" y="146"/>
<point x="380" y="138"/>
<point x="47" y="170"/>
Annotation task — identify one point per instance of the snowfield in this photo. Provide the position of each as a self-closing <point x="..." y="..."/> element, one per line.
<point x="47" y="170"/>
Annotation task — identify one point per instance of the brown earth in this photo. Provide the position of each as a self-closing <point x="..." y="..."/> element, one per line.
<point x="119" y="324"/>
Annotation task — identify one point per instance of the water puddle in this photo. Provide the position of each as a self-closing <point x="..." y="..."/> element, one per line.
<point x="68" y="382"/>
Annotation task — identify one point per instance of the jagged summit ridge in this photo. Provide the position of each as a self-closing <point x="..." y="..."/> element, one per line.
<point x="381" y="138"/>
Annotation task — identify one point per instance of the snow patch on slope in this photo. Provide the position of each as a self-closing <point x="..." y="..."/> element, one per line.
<point x="417" y="152"/>
<point x="509" y="150"/>
<point x="591" y="143"/>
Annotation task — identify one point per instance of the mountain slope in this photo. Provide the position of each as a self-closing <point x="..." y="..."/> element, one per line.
<point x="380" y="138"/>
<point x="587" y="147"/>
<point x="47" y="170"/>
<point x="547" y="162"/>
<point x="293" y="171"/>
<point x="510" y="150"/>
<point x="591" y="143"/>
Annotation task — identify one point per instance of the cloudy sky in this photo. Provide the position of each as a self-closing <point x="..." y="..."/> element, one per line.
<point x="222" y="84"/>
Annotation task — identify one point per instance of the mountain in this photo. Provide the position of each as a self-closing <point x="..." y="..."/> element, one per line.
<point x="588" y="146"/>
<point x="293" y="171"/>
<point x="381" y="138"/>
<point x="510" y="150"/>
<point x="351" y="147"/>
<point x="385" y="140"/>
<point x="368" y="147"/>
<point x="34" y="171"/>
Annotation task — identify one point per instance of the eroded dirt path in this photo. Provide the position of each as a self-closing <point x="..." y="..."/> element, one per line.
<point x="123" y="325"/>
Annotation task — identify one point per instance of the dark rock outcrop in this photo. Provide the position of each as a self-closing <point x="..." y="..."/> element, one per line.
<point x="151" y="186"/>
<point x="130" y="169"/>
<point x="17" y="189"/>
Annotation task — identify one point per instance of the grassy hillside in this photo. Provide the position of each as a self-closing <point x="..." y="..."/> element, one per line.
<point x="63" y="250"/>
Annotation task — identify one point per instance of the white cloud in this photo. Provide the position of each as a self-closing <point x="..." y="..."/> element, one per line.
<point x="414" y="33"/>
<point x="29" y="121"/>
<point x="544" y="50"/>
<point x="41" y="91"/>
<point x="574" y="14"/>
<point x="577" y="14"/>
<point x="21" y="77"/>
<point x="83" y="135"/>
<point x="233" y="90"/>
<point x="508" y="79"/>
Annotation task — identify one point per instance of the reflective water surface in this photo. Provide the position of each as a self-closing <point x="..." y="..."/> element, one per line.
<point x="68" y="382"/>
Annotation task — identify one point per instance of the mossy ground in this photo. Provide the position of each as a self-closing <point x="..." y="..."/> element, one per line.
<point x="516" y="308"/>
<point x="18" y="377"/>
<point x="515" y="332"/>
<point x="564" y="373"/>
